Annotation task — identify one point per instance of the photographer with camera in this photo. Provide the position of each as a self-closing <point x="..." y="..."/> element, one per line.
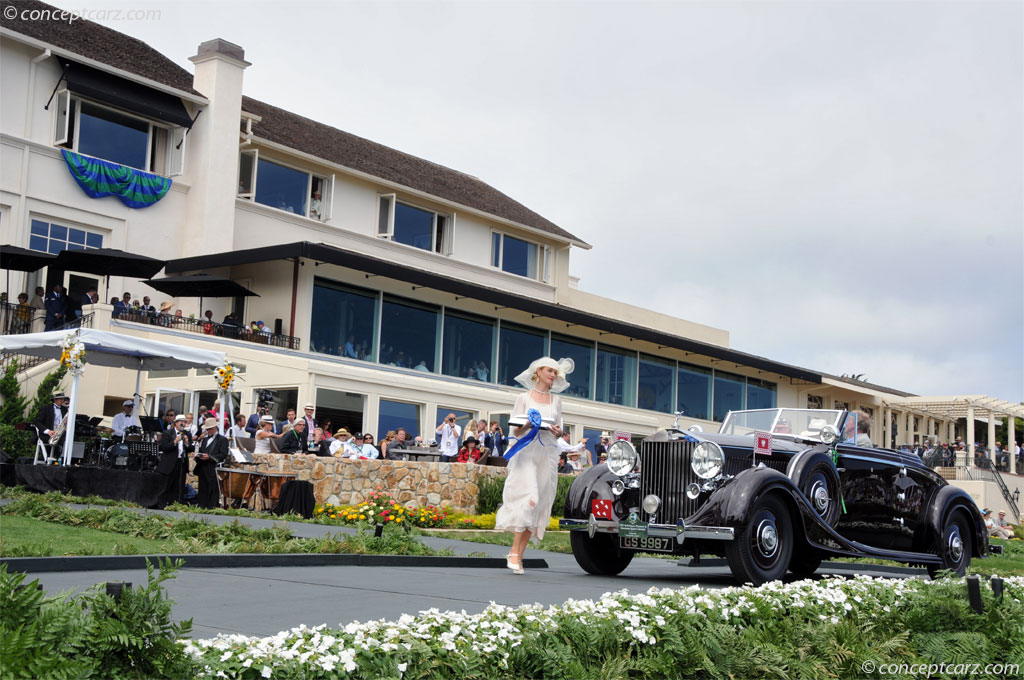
<point x="264" y="402"/>
<point x="495" y="440"/>
<point x="448" y="442"/>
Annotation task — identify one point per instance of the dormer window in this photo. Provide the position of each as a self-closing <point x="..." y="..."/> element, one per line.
<point x="414" y="226"/>
<point x="286" y="188"/>
<point x="523" y="258"/>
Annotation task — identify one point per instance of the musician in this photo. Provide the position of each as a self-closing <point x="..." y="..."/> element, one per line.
<point x="51" y="418"/>
<point x="175" y="445"/>
<point x="211" y="449"/>
<point x="294" y="440"/>
<point x="124" y="420"/>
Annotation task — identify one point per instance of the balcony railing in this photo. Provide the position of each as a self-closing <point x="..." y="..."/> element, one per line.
<point x="204" y="327"/>
<point x="16" y="319"/>
<point x="26" y="362"/>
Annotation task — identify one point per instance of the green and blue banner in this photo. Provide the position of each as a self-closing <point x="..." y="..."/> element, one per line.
<point x="98" y="178"/>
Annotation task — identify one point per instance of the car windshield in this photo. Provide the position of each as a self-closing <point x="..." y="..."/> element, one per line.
<point x="804" y="423"/>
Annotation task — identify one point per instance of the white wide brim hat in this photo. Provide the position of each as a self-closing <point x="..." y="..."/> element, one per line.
<point x="563" y="366"/>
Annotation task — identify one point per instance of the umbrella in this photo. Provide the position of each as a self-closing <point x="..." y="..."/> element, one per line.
<point x="200" y="286"/>
<point x="17" y="259"/>
<point x="108" y="261"/>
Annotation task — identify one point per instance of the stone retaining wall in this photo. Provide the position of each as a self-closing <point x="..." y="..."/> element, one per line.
<point x="347" y="482"/>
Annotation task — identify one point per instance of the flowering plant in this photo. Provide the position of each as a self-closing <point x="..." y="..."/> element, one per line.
<point x="72" y="355"/>
<point x="225" y="377"/>
<point x="381" y="508"/>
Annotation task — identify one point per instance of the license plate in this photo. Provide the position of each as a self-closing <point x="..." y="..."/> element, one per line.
<point x="650" y="543"/>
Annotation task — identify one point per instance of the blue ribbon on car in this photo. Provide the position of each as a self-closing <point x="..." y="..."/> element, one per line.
<point x="533" y="415"/>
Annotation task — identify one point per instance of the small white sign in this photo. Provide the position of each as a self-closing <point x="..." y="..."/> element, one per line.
<point x="623" y="436"/>
<point x="763" y="443"/>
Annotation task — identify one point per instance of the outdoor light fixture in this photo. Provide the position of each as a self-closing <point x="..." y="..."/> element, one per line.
<point x="974" y="593"/>
<point x="116" y="588"/>
<point x="378" y="531"/>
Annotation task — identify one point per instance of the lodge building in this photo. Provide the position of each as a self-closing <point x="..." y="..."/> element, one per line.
<point x="393" y="289"/>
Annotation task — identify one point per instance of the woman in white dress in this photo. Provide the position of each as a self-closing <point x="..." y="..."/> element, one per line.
<point x="533" y="459"/>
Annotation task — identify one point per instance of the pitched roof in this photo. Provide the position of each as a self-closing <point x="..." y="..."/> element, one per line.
<point x="121" y="51"/>
<point x="88" y="39"/>
<point x="352" y="151"/>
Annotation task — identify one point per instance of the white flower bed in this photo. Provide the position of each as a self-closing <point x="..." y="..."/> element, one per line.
<point x="461" y="640"/>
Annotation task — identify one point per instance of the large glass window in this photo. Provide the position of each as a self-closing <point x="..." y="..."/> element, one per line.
<point x="413" y="226"/>
<point x="395" y="414"/>
<point x="462" y="419"/>
<point x="693" y="391"/>
<point x="113" y="136"/>
<point x="517" y="349"/>
<point x="760" y="393"/>
<point x="336" y="409"/>
<point x="281" y="187"/>
<point x="729" y="391"/>
<point x="582" y="353"/>
<point x="343" y="320"/>
<point x="53" y="238"/>
<point x="616" y="376"/>
<point x="516" y="256"/>
<point x="408" y="334"/>
<point x="468" y="346"/>
<point x="655" y="384"/>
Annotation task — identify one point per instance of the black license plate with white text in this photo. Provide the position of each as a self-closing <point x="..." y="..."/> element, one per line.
<point x="648" y="544"/>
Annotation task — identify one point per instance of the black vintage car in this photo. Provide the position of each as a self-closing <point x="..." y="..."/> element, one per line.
<point x="816" y="494"/>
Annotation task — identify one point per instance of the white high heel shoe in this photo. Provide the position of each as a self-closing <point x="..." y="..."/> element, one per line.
<point x="516" y="567"/>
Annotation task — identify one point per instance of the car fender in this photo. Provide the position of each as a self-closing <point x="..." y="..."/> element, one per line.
<point x="948" y="499"/>
<point x="804" y="460"/>
<point x="592" y="483"/>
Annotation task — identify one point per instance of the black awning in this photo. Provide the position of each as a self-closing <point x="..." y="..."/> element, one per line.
<point x="124" y="94"/>
<point x="461" y="288"/>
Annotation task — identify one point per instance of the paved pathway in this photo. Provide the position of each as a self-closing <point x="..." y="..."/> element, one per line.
<point x="265" y="600"/>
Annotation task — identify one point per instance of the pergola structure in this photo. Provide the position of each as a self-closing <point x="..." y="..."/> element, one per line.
<point x="947" y="410"/>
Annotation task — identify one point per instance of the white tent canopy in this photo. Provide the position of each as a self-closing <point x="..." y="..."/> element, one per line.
<point x="114" y="350"/>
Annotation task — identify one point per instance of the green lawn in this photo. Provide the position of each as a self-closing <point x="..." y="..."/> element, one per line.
<point x="21" y="536"/>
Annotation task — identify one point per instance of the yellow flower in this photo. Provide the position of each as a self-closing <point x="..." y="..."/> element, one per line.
<point x="362" y="516"/>
<point x="398" y="519"/>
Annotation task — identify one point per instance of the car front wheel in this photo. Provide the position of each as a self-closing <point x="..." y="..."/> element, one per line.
<point x="954" y="546"/>
<point x="761" y="552"/>
<point x="599" y="555"/>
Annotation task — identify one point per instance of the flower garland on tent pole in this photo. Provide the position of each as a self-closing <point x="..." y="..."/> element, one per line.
<point x="72" y="357"/>
<point x="225" y="376"/>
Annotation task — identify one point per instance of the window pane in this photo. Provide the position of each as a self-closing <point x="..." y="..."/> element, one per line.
<point x="280" y="187"/>
<point x="55" y="247"/>
<point x="408" y="334"/>
<point x="395" y="414"/>
<point x="468" y="341"/>
<point x="40" y="228"/>
<point x="495" y="250"/>
<point x="519" y="257"/>
<point x="112" y="136"/>
<point x="94" y="240"/>
<point x="37" y="243"/>
<point x="760" y="393"/>
<point x="76" y="236"/>
<point x="655" y="384"/>
<point x="75" y="246"/>
<point x="58" y="232"/>
<point x="517" y="349"/>
<point x="728" y="394"/>
<point x="413" y="226"/>
<point x="384" y="215"/>
<point x="245" y="173"/>
<point x="583" y="354"/>
<point x="616" y="376"/>
<point x="343" y="320"/>
<point x="593" y="439"/>
<point x="693" y="391"/>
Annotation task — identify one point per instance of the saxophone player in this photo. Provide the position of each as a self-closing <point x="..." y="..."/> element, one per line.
<point x="52" y="419"/>
<point x="175" y="445"/>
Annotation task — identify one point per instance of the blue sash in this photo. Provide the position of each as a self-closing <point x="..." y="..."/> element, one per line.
<point x="533" y="415"/>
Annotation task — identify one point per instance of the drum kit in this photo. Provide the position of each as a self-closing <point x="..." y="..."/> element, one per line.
<point x="132" y="453"/>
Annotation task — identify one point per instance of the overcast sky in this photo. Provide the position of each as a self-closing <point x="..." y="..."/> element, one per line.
<point x="837" y="184"/>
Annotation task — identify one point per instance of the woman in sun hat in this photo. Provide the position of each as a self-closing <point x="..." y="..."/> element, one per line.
<point x="533" y="459"/>
<point x="265" y="434"/>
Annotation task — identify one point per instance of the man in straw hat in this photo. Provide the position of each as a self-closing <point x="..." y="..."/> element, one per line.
<point x="211" y="449"/>
<point x="50" y="417"/>
<point x="122" y="421"/>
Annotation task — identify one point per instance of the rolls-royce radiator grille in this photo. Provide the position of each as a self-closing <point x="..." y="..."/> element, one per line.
<point x="665" y="471"/>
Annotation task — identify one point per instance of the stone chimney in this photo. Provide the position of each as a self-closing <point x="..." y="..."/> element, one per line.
<point x="212" y="151"/>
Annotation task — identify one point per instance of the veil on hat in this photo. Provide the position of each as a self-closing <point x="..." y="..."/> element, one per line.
<point x="564" y="367"/>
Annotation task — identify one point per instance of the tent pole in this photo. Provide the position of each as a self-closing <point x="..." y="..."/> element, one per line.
<point x="220" y="416"/>
<point x="138" y="384"/>
<point x="69" y="436"/>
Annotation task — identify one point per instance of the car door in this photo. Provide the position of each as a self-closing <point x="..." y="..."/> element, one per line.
<point x="869" y="495"/>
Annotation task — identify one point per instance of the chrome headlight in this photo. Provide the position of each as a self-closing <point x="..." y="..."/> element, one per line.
<point x="621" y="458"/>
<point x="829" y="434"/>
<point x="707" y="460"/>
